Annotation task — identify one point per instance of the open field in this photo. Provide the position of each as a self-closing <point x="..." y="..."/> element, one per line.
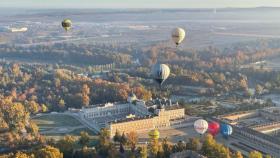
<point x="56" y="126"/>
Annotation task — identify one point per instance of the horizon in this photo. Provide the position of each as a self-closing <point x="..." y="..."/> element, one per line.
<point x="88" y="8"/>
<point x="136" y="4"/>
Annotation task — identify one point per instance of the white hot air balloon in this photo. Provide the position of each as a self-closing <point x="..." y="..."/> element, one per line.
<point x="201" y="126"/>
<point x="178" y="35"/>
<point x="160" y="73"/>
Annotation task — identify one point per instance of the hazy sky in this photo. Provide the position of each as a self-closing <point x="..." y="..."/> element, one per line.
<point x="137" y="3"/>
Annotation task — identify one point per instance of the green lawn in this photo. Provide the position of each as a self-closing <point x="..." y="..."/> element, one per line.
<point x="50" y="123"/>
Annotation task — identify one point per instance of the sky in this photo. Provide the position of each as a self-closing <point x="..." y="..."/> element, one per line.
<point x="137" y="3"/>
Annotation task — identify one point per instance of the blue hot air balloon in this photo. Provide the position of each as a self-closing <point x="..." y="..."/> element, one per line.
<point x="226" y="130"/>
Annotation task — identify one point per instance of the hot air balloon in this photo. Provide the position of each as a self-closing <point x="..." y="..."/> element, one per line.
<point x="214" y="128"/>
<point x="178" y="35"/>
<point x="200" y="126"/>
<point x="154" y="134"/>
<point x="66" y="24"/>
<point x="226" y="130"/>
<point x="160" y="73"/>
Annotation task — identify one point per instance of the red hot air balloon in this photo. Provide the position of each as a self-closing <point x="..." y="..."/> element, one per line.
<point x="214" y="128"/>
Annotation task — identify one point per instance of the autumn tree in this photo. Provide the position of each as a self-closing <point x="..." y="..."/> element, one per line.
<point x="61" y="104"/>
<point x="49" y="152"/>
<point x="33" y="107"/>
<point x="255" y="154"/>
<point x="166" y="147"/>
<point x="243" y="84"/>
<point x="85" y="153"/>
<point x="267" y="156"/>
<point x="154" y="147"/>
<point x="16" y="70"/>
<point x="237" y="155"/>
<point x="44" y="108"/>
<point x="104" y="137"/>
<point x="132" y="138"/>
<point x="259" y="89"/>
<point x="85" y="95"/>
<point x="193" y="144"/>
<point x="67" y="145"/>
<point x="117" y="137"/>
<point x="143" y="152"/>
<point x="84" y="139"/>
<point x="23" y="155"/>
<point x="180" y="146"/>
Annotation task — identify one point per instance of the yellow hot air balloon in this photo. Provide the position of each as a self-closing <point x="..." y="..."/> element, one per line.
<point x="154" y="134"/>
<point x="178" y="35"/>
<point x="66" y="24"/>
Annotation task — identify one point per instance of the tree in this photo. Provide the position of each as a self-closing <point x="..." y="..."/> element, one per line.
<point x="61" y="104"/>
<point x="193" y="144"/>
<point x="85" y="100"/>
<point x="154" y="147"/>
<point x="212" y="149"/>
<point x="23" y="155"/>
<point x="85" y="153"/>
<point x="259" y="89"/>
<point x="267" y="156"/>
<point x="132" y="138"/>
<point x="49" y="152"/>
<point x="15" y="115"/>
<point x="85" y="95"/>
<point x="143" y="152"/>
<point x="33" y="128"/>
<point x="44" y="108"/>
<point x="181" y="146"/>
<point x="16" y="70"/>
<point x="117" y="136"/>
<point x="255" y="154"/>
<point x="166" y="148"/>
<point x="123" y="139"/>
<point x="84" y="138"/>
<point x="67" y="145"/>
<point x="237" y="155"/>
<point x="104" y="137"/>
<point x="208" y="146"/>
<point x="243" y="84"/>
<point x="33" y="107"/>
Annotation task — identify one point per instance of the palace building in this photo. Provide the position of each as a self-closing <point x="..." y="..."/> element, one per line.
<point x="133" y="115"/>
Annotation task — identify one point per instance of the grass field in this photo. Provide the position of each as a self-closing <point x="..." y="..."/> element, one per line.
<point x="57" y="126"/>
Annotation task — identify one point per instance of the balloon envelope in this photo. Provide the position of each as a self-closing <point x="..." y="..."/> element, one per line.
<point x="178" y="35"/>
<point x="214" y="128"/>
<point x="160" y="73"/>
<point x="200" y="126"/>
<point x="226" y="130"/>
<point x="154" y="134"/>
<point x="66" y="24"/>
